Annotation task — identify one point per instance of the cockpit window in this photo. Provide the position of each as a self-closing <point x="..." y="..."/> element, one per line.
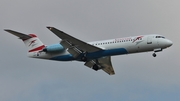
<point x="160" y="37"/>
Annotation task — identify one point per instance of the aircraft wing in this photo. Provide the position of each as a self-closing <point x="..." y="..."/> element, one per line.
<point x="85" y="47"/>
<point x="74" y="45"/>
<point x="103" y="63"/>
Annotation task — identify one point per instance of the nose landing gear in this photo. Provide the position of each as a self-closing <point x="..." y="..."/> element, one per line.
<point x="156" y="50"/>
<point x="154" y="54"/>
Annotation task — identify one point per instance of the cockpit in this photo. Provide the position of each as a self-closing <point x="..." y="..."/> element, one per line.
<point x="160" y="37"/>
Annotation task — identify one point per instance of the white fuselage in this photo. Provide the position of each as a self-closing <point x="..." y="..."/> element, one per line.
<point x="118" y="46"/>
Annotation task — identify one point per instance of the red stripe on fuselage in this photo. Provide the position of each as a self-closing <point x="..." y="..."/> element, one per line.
<point x="37" y="49"/>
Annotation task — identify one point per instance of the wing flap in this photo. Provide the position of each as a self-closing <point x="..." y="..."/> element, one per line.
<point x="65" y="44"/>
<point x="75" y="52"/>
<point x="90" y="63"/>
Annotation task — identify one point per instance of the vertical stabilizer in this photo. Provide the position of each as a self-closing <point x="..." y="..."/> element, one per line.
<point x="34" y="43"/>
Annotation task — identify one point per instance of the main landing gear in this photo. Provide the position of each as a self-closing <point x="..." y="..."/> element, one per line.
<point x="95" y="67"/>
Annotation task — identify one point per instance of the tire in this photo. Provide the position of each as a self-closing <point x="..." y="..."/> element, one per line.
<point x="95" y="67"/>
<point x="154" y="55"/>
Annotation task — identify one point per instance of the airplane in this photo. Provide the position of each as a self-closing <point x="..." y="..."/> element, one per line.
<point x="96" y="55"/>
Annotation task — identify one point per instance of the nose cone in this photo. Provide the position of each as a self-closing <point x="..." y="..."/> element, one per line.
<point x="169" y="43"/>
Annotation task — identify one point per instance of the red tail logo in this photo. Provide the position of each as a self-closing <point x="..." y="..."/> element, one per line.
<point x="32" y="42"/>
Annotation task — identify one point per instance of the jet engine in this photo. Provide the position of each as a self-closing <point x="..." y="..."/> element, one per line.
<point x="55" y="48"/>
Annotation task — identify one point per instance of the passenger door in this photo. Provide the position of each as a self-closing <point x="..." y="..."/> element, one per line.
<point x="149" y="40"/>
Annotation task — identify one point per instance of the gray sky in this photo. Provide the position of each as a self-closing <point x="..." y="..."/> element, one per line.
<point x="139" y="77"/>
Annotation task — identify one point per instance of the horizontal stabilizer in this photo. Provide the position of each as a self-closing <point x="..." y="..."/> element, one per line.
<point x="18" y="34"/>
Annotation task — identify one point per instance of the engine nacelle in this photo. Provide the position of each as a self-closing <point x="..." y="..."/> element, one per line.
<point x="55" y="48"/>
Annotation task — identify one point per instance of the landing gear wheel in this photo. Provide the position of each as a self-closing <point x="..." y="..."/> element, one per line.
<point x="95" y="67"/>
<point x="154" y="55"/>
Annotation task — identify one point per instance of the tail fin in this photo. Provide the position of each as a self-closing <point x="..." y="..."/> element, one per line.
<point x="31" y="41"/>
